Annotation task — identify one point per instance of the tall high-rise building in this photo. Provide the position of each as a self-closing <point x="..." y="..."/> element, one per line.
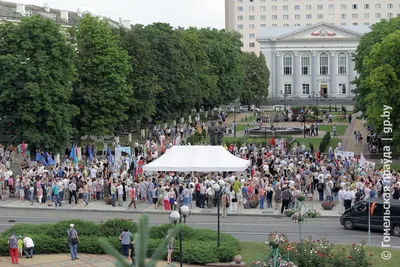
<point x="249" y="16"/>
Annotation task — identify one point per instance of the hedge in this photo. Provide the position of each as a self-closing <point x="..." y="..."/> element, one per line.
<point x="199" y="245"/>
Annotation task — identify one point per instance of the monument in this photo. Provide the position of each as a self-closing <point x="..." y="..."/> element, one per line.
<point x="213" y="134"/>
<point x="221" y="132"/>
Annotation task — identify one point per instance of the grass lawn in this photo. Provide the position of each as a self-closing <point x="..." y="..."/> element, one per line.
<point x="393" y="166"/>
<point x="250" y="250"/>
<point x="340" y="129"/>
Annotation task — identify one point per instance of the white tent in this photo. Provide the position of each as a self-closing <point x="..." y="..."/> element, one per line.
<point x="198" y="158"/>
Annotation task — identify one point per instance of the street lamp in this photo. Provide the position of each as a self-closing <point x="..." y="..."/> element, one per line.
<point x="217" y="188"/>
<point x="175" y="217"/>
<point x="234" y="121"/>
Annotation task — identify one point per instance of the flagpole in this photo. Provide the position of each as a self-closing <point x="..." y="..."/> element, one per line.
<point x="369" y="223"/>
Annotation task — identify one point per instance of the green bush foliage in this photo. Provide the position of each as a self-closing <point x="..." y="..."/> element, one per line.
<point x="323" y="146"/>
<point x="199" y="245"/>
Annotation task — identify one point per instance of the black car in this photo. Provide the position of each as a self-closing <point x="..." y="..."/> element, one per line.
<point x="357" y="216"/>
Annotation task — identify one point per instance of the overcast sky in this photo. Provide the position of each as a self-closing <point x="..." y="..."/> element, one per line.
<point x="185" y="13"/>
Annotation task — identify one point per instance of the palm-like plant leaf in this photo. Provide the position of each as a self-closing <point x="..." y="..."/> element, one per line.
<point x="141" y="246"/>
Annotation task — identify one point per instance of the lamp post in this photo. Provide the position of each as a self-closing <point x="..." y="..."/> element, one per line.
<point x="175" y="217"/>
<point x="217" y="188"/>
<point x="234" y="122"/>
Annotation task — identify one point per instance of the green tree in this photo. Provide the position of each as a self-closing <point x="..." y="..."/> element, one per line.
<point x="101" y="91"/>
<point x="383" y="68"/>
<point x="256" y="79"/>
<point x="143" y="78"/>
<point x="376" y="35"/>
<point x="37" y="70"/>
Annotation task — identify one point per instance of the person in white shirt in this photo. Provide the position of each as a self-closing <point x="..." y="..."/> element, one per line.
<point x="120" y="190"/>
<point x="341" y="200"/>
<point x="28" y="247"/>
<point x="347" y="196"/>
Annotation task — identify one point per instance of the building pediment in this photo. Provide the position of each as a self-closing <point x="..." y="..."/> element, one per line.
<point x="320" y="31"/>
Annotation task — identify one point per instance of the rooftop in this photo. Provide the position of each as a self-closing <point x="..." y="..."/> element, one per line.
<point x="15" y="12"/>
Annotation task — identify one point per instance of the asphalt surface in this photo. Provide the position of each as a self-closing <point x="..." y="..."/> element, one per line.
<point x="243" y="228"/>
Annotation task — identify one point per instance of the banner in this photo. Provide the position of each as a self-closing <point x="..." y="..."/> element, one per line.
<point x="344" y="154"/>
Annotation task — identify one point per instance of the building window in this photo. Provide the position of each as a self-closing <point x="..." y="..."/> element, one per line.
<point x="285" y="17"/>
<point x="320" y="7"/>
<point x="240" y="17"/>
<point x="274" y="17"/>
<point x="366" y="16"/>
<point x="343" y="24"/>
<point x="343" y="7"/>
<point x="240" y="26"/>
<point x="252" y="26"/>
<point x="354" y="23"/>
<point x="252" y="44"/>
<point x="297" y="25"/>
<point x="331" y="16"/>
<point x="390" y="15"/>
<point x="308" y="7"/>
<point x="251" y="8"/>
<point x="285" y="25"/>
<point x="287" y="89"/>
<point x="389" y="6"/>
<point x="263" y="17"/>
<point x="305" y="64"/>
<point x="305" y="88"/>
<point x="377" y="6"/>
<point x="274" y="25"/>
<point x="263" y="25"/>
<point x="378" y="15"/>
<point x="274" y="8"/>
<point x="263" y="8"/>
<point x="308" y="16"/>
<point x="343" y="16"/>
<point x="252" y="35"/>
<point x="297" y="7"/>
<point x="287" y="64"/>
<point x="323" y="64"/>
<point x="354" y="16"/>
<point x="366" y="23"/>
<point x="355" y="6"/>
<point x="366" y="6"/>
<point x="240" y="1"/>
<point x="285" y="7"/>
<point x="342" y="64"/>
<point x="240" y="9"/>
<point x="342" y="88"/>
<point x="297" y="17"/>
<point x="252" y="17"/>
<point x="320" y="16"/>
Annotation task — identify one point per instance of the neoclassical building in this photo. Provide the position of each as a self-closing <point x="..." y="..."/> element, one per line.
<point x="311" y="61"/>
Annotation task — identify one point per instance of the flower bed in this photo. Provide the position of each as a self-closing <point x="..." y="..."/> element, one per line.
<point x="320" y="253"/>
<point x="328" y="205"/>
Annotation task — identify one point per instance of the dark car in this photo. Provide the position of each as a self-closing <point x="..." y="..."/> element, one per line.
<point x="357" y="216"/>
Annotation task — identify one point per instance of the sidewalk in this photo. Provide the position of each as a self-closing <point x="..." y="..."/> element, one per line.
<point x="149" y="209"/>
<point x="59" y="260"/>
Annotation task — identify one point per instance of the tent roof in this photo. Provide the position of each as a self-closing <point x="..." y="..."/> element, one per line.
<point x="198" y="158"/>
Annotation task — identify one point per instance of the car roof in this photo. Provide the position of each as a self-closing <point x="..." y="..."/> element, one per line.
<point x="393" y="202"/>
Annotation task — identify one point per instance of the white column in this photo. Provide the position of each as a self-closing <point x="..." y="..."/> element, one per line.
<point x="351" y="73"/>
<point x="296" y="72"/>
<point x="314" y="72"/>
<point x="333" y="90"/>
<point x="129" y="137"/>
<point x="278" y="74"/>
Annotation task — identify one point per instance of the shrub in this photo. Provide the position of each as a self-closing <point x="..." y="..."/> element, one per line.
<point x="84" y="228"/>
<point x="116" y="226"/>
<point x="323" y="146"/>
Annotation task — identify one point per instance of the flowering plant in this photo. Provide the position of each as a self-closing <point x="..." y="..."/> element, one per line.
<point x="313" y="213"/>
<point x="258" y="264"/>
<point x="275" y="239"/>
<point x="298" y="217"/>
<point x="289" y="212"/>
<point x="282" y="263"/>
<point x="301" y="197"/>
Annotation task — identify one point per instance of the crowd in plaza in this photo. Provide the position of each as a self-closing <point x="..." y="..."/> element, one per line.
<point x="276" y="178"/>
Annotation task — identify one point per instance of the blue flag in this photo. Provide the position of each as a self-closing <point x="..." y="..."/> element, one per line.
<point x="40" y="159"/>
<point x="110" y="155"/>
<point x="90" y="153"/>
<point x="48" y="158"/>
<point x="71" y="155"/>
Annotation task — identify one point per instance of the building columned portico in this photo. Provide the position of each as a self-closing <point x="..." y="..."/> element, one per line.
<point x="313" y="61"/>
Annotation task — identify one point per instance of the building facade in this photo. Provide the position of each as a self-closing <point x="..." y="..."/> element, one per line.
<point x="311" y="61"/>
<point x="14" y="12"/>
<point x="249" y="16"/>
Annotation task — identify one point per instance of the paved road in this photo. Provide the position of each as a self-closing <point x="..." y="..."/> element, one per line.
<point x="243" y="228"/>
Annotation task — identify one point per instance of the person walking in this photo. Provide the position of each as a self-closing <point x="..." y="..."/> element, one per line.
<point x="73" y="240"/>
<point x="285" y="199"/>
<point x="133" y="201"/>
<point x="125" y="238"/>
<point x="261" y="197"/>
<point x="132" y="253"/>
<point x="13" y="248"/>
<point x="225" y="203"/>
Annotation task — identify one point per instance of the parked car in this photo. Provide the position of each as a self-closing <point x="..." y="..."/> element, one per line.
<point x="357" y="216"/>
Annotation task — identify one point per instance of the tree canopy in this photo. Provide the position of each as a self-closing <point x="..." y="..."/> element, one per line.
<point x="378" y="85"/>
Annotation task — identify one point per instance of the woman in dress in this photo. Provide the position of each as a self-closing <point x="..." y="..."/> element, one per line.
<point x="245" y="194"/>
<point x="186" y="196"/>
<point x="172" y="198"/>
<point x="170" y="249"/>
<point x="278" y="196"/>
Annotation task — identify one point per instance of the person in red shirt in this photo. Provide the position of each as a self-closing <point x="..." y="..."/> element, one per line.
<point x="132" y="193"/>
<point x="197" y="194"/>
